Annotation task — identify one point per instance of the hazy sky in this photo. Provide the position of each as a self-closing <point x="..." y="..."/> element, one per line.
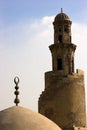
<point x="26" y="31"/>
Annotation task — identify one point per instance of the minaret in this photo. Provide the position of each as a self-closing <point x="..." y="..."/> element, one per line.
<point x="63" y="100"/>
<point x="62" y="50"/>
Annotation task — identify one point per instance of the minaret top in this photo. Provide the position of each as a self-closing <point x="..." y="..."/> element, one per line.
<point x="61" y="16"/>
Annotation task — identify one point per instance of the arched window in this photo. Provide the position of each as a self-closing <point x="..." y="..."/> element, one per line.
<point x="59" y="64"/>
<point x="60" y="38"/>
<point x="65" y="29"/>
<point x="60" y="29"/>
<point x="70" y="38"/>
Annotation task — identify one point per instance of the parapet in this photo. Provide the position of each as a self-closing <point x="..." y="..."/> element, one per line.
<point x="79" y="72"/>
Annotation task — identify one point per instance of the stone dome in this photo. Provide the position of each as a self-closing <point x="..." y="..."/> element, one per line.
<point x="19" y="118"/>
<point x="61" y="17"/>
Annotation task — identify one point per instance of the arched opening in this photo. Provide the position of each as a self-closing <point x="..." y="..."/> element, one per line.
<point x="59" y="64"/>
<point x="70" y="38"/>
<point x="65" y="29"/>
<point x="60" y="38"/>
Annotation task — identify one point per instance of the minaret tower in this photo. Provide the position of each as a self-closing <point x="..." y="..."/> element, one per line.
<point x="62" y="50"/>
<point x="63" y="99"/>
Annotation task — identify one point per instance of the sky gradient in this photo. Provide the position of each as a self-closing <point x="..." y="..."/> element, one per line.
<point x="26" y="31"/>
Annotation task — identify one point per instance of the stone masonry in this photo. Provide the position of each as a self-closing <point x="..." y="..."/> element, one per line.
<point x="63" y="100"/>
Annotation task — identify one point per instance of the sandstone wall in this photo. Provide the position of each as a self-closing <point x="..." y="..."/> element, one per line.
<point x="63" y="100"/>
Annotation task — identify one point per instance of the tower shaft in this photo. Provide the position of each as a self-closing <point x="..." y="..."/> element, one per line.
<point x="63" y="100"/>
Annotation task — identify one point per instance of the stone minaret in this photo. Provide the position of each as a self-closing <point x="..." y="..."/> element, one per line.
<point x="63" y="100"/>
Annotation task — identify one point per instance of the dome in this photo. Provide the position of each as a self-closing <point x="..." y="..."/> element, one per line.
<point x="62" y="16"/>
<point x="19" y="118"/>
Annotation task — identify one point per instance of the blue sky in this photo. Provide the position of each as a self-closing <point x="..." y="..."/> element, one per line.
<point x="26" y="31"/>
<point x="15" y="11"/>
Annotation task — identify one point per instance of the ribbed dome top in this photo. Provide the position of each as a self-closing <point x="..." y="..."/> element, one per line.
<point x="61" y="17"/>
<point x="19" y="118"/>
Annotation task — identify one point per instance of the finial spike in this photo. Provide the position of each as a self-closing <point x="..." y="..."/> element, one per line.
<point x="16" y="81"/>
<point x="61" y="10"/>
